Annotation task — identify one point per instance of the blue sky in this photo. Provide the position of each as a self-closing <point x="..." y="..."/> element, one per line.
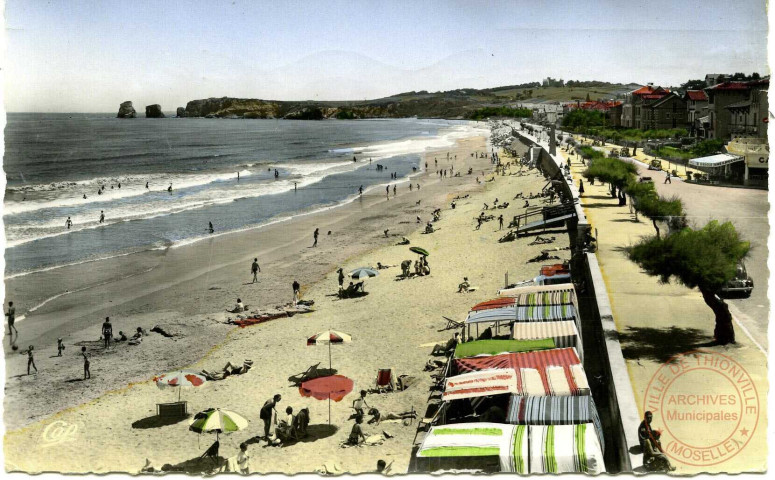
<point x="90" y="56"/>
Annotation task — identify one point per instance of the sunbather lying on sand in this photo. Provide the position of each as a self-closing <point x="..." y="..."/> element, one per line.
<point x="447" y="348"/>
<point x="432" y="365"/>
<point x="383" y="267"/>
<point x="228" y="370"/>
<point x="378" y="417"/>
<point x="404" y="241"/>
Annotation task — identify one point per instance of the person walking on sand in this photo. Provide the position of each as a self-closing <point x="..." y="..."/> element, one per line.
<point x="30" y="359"/>
<point x="500" y="222"/>
<point x="68" y="223"/>
<point x="107" y="332"/>
<point x="667" y="178"/>
<point x="11" y="314"/>
<point x="86" y="372"/>
<point x="387" y="192"/>
<point x="394" y="190"/>
<point x="60" y="347"/>
<point x="102" y="216"/>
<point x="360" y="190"/>
<point x="255" y="269"/>
<point x="315" y="235"/>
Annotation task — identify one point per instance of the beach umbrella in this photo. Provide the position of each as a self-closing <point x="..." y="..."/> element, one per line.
<point x="420" y="251"/>
<point x="180" y="379"/>
<point x="217" y="420"/>
<point x="363" y="272"/>
<point x="327" y="338"/>
<point x="333" y="387"/>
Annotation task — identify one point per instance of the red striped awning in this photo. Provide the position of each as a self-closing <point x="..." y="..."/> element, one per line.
<point x="539" y="360"/>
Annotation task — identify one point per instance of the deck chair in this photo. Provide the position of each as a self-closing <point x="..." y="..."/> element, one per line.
<point x="429" y="421"/>
<point x="452" y="324"/>
<point x="386" y="380"/>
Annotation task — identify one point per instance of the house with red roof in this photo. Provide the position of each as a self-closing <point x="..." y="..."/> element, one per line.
<point x="697" y="113"/>
<point x="612" y="109"/>
<point x="635" y="108"/>
<point x="738" y="109"/>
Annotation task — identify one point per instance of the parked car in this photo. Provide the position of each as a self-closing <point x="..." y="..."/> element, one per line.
<point x="742" y="284"/>
<point x="655" y="165"/>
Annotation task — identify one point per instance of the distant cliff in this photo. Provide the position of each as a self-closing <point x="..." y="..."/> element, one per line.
<point x="228" y="107"/>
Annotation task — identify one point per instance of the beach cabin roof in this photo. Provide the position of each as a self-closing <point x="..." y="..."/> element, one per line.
<point x="520" y="449"/>
<point x="546" y="372"/>
<point x="495" y="347"/>
<point x="564" y="334"/>
<point x="568" y="410"/>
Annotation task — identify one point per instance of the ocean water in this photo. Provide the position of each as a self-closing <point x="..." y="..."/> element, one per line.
<point x="53" y="160"/>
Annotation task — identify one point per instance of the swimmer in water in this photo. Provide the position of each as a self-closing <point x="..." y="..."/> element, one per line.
<point x="169" y="189"/>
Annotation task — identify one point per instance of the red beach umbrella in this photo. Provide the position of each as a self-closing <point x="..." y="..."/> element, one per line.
<point x="333" y="387"/>
<point x="179" y="379"/>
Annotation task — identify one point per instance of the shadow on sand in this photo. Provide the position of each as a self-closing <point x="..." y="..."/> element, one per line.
<point x="157" y="421"/>
<point x="196" y="466"/>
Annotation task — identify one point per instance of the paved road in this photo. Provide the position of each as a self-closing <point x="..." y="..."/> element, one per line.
<point x="747" y="210"/>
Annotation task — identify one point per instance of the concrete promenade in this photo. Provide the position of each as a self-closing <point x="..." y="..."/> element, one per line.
<point x="656" y="322"/>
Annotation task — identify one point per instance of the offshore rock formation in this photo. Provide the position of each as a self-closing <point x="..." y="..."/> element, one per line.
<point x="126" y="110"/>
<point x="181" y="112"/>
<point x="153" y="111"/>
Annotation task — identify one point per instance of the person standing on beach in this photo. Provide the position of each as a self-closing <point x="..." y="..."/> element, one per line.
<point x="86" y="372"/>
<point x="255" y="269"/>
<point x="146" y="184"/>
<point x="268" y="414"/>
<point x="60" y="347"/>
<point x="102" y="216"/>
<point x="394" y="190"/>
<point x="360" y="190"/>
<point x="210" y="227"/>
<point x="500" y="222"/>
<point x="107" y="332"/>
<point x="387" y="192"/>
<point x="11" y="314"/>
<point x="68" y="223"/>
<point x="341" y="279"/>
<point x="30" y="359"/>
<point x="315" y="235"/>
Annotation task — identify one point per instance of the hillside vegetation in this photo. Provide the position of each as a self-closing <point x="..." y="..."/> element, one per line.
<point x="460" y="103"/>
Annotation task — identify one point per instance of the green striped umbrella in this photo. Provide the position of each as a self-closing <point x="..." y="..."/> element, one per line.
<point x="217" y="420"/>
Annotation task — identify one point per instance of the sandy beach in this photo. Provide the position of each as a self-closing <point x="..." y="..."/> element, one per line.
<point x="187" y="291"/>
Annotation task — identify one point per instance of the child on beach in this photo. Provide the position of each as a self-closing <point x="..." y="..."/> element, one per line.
<point x="86" y="372"/>
<point x="255" y="269"/>
<point x="30" y="359"/>
<point x="243" y="460"/>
